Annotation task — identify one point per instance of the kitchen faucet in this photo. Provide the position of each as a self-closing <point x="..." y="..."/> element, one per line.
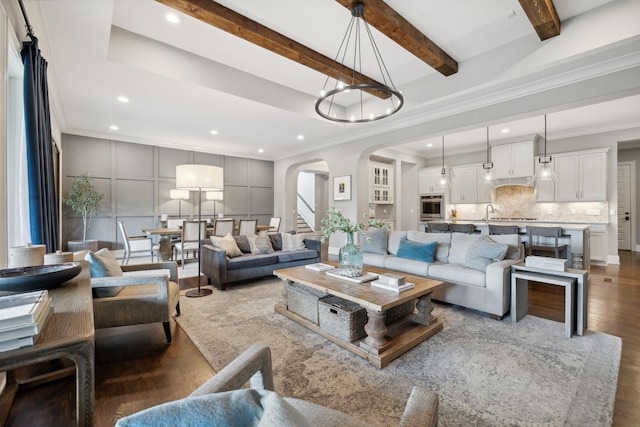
<point x="486" y="212"/>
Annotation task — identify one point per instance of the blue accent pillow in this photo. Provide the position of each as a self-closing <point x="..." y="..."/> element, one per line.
<point x="104" y="264"/>
<point x="419" y="251"/>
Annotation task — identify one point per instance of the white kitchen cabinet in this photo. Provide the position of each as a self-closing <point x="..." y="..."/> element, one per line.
<point x="464" y="184"/>
<point x="581" y="176"/>
<point x="513" y="160"/>
<point x="598" y="243"/>
<point x="545" y="190"/>
<point x="429" y="181"/>
<point x="380" y="183"/>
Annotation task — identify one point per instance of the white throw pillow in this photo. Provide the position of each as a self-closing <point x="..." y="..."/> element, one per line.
<point x="228" y="243"/>
<point x="292" y="242"/>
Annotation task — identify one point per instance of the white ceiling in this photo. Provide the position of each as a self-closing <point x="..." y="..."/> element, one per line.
<point x="184" y="80"/>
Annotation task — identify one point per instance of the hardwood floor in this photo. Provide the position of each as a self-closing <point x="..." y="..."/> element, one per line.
<point x="135" y="368"/>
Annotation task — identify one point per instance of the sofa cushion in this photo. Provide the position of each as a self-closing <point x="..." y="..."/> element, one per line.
<point x="512" y="240"/>
<point x="292" y="242"/>
<point x="460" y="243"/>
<point x="104" y="264"/>
<point x="394" y="241"/>
<point x="259" y="244"/>
<point x="227" y="243"/>
<point x="457" y="273"/>
<point x="405" y="265"/>
<point x="374" y="241"/>
<point x="425" y="252"/>
<point x="375" y="260"/>
<point x="276" y="241"/>
<point x="288" y="256"/>
<point x="483" y="252"/>
<point x="443" y="239"/>
<point x="243" y="243"/>
<point x="248" y="261"/>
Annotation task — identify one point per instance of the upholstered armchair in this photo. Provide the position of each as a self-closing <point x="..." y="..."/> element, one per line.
<point x="254" y="366"/>
<point x="144" y="297"/>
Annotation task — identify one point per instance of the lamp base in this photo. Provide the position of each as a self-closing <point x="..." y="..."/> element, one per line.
<point x="196" y="293"/>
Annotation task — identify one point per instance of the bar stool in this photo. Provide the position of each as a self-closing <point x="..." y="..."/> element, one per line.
<point x="438" y="227"/>
<point x="537" y="246"/>
<point x="462" y="228"/>
<point x="503" y="229"/>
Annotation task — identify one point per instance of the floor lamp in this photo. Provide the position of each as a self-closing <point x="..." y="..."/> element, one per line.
<point x="199" y="178"/>
<point x="214" y="195"/>
<point x="179" y="195"/>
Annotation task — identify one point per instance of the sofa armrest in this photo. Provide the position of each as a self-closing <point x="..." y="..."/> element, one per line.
<point x="498" y="283"/>
<point x="214" y="265"/>
<point x="421" y="409"/>
<point x="314" y="245"/>
<point x="253" y="366"/>
<point x="156" y="279"/>
<point x="172" y="266"/>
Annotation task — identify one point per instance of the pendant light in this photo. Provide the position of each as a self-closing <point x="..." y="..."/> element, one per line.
<point x="488" y="177"/>
<point x="545" y="172"/>
<point x="444" y="179"/>
<point x="352" y="102"/>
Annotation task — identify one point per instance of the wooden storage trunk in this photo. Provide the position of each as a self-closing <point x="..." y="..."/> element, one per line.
<point x="341" y="318"/>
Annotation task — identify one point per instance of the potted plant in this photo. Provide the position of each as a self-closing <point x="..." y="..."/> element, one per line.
<point x="350" y="255"/>
<point x="83" y="198"/>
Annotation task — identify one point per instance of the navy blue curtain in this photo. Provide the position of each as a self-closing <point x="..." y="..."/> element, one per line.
<point x="43" y="205"/>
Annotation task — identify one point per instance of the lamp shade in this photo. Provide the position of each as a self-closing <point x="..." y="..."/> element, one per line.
<point x="214" y="195"/>
<point x="199" y="177"/>
<point x="179" y="194"/>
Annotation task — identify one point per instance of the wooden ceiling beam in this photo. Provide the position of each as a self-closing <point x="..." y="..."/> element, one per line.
<point x="389" y="22"/>
<point x="543" y="17"/>
<point x="214" y="14"/>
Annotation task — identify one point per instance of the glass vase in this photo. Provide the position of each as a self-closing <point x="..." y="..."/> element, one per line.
<point x="350" y="258"/>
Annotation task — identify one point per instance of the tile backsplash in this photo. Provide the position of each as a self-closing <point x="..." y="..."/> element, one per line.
<point x="517" y="201"/>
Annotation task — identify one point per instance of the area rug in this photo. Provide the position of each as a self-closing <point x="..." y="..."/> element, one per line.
<point x="486" y="372"/>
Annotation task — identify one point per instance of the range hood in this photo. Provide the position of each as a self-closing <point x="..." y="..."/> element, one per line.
<point x="518" y="182"/>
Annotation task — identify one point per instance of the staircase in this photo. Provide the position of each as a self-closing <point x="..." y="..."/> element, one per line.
<point x="302" y="226"/>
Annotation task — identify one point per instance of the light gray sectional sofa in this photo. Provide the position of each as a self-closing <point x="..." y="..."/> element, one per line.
<point x="466" y="282"/>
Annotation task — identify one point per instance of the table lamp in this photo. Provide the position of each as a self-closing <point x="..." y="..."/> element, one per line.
<point x="198" y="178"/>
<point x="214" y="195"/>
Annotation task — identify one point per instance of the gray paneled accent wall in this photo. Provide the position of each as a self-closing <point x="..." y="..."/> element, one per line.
<point x="136" y="180"/>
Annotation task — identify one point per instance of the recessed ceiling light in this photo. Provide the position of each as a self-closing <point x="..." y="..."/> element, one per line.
<point x="260" y="150"/>
<point x="172" y="17"/>
<point x="114" y="127"/>
<point x="429" y="145"/>
<point x="505" y="130"/>
<point x="123" y="99"/>
<point x="300" y="137"/>
<point x="214" y="132"/>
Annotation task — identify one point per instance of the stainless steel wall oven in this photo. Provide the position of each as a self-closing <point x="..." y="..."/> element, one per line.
<point x="431" y="207"/>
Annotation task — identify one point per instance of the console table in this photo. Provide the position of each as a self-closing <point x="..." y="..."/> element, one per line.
<point x="575" y="319"/>
<point x="69" y="334"/>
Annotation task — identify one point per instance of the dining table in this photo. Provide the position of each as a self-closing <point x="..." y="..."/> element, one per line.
<point x="167" y="236"/>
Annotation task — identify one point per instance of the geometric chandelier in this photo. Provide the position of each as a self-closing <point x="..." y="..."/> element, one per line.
<point x="369" y="101"/>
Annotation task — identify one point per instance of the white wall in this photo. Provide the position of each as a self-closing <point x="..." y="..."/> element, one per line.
<point x="4" y="33"/>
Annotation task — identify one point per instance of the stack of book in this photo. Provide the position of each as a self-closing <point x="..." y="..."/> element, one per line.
<point x="392" y="282"/>
<point x="22" y="317"/>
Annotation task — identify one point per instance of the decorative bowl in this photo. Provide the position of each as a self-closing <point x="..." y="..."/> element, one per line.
<point x="38" y="277"/>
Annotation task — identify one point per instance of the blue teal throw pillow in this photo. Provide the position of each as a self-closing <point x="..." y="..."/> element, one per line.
<point x="247" y="407"/>
<point x="419" y="251"/>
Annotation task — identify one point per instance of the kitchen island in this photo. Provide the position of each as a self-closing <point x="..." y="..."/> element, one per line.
<point x="575" y="235"/>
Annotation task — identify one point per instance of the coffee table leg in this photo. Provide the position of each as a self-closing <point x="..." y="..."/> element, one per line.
<point x="424" y="307"/>
<point x="375" y="328"/>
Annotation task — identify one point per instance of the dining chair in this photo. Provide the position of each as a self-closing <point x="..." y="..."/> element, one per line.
<point x="175" y="223"/>
<point x="274" y="224"/>
<point x="136" y="244"/>
<point x="538" y="242"/>
<point x="223" y="226"/>
<point x="247" y="226"/>
<point x="189" y="241"/>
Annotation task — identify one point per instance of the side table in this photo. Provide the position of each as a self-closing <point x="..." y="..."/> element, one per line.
<point x="570" y="278"/>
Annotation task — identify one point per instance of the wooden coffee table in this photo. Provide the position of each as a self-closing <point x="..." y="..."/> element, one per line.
<point x="383" y="343"/>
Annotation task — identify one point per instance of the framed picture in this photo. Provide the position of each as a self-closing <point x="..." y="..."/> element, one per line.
<point x="342" y="187"/>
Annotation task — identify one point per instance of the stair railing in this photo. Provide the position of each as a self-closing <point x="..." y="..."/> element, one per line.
<point x="305" y="210"/>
